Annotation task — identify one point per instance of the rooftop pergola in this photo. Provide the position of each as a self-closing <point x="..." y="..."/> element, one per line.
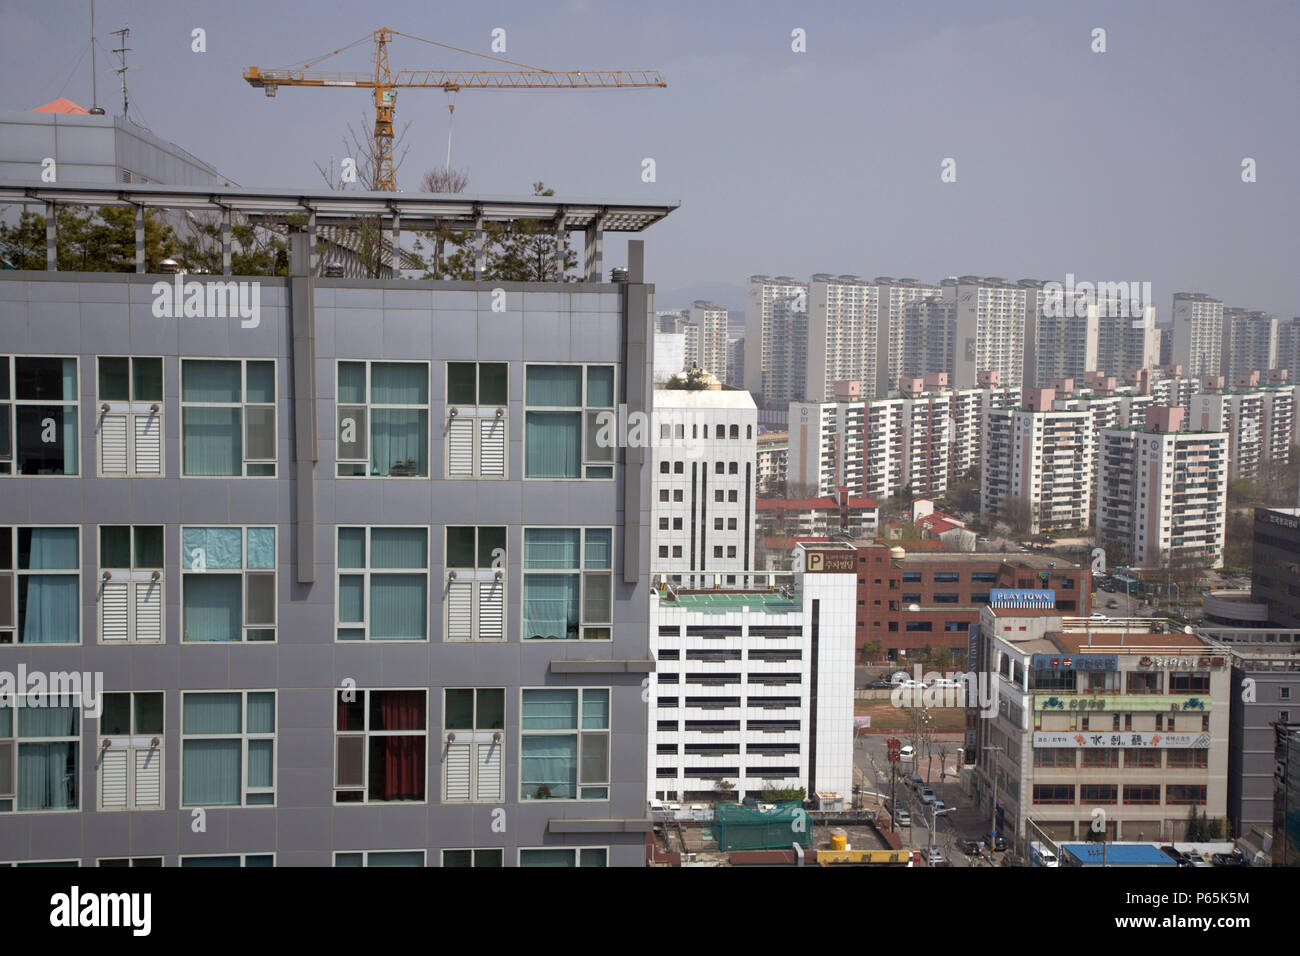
<point x="452" y="212"/>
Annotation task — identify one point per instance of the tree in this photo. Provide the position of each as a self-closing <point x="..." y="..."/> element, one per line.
<point x="254" y="250"/>
<point x="725" y="790"/>
<point x="774" y="793"/>
<point x="88" y="240"/>
<point x="695" y="381"/>
<point x="1018" y="513"/>
<point x="445" y="180"/>
<point x="1195" y="826"/>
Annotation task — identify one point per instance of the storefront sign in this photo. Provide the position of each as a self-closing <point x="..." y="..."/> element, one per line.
<point x="1150" y="703"/>
<point x="1074" y="662"/>
<point x="1091" y="739"/>
<point x="1022" y="597"/>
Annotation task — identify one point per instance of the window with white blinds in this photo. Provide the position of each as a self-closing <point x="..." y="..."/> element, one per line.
<point x="130" y="592"/>
<point x="475" y="594"/>
<point x="473" y="768"/>
<point x="129" y="758"/>
<point x="477" y="424"/>
<point x="129" y="417"/>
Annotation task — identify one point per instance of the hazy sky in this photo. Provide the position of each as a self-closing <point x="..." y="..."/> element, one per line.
<point x="1123" y="165"/>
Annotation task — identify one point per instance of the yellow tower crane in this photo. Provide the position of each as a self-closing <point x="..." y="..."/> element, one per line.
<point x="385" y="83"/>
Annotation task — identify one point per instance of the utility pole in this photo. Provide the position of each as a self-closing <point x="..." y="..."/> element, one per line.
<point x="122" y="51"/>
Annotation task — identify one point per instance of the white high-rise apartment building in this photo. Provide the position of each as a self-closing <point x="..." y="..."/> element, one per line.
<point x="842" y="334"/>
<point x="1163" y="491"/>
<point x="704" y="482"/>
<point x="1249" y="342"/>
<point x="893" y="298"/>
<point x="988" y="329"/>
<point x="929" y="330"/>
<point x="1066" y="339"/>
<point x="1259" y="419"/>
<point x="755" y="687"/>
<point x="1198" y="333"/>
<point x="710" y="329"/>
<point x="1038" y="464"/>
<point x="776" y="339"/>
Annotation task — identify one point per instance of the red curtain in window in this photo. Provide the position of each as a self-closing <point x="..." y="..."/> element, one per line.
<point x="397" y="767"/>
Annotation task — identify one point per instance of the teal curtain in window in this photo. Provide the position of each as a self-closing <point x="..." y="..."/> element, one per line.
<point x="261" y="547"/>
<point x="211" y="861"/>
<point x="398" y="548"/>
<point x="209" y="381"/>
<point x="261" y="382"/>
<point x="408" y="858"/>
<point x="593" y="858"/>
<point x="211" y="773"/>
<point x="399" y="442"/>
<point x="551" y="606"/>
<point x="53" y="549"/>
<point x="550" y="710"/>
<point x="551" y="548"/>
<point x="598" y="548"/>
<point x="6" y="722"/>
<point x="595" y="710"/>
<point x="549" y="760"/>
<point x="553" y="444"/>
<point x="56" y="718"/>
<point x="352" y="383"/>
<point x="260" y="763"/>
<point x="349" y="859"/>
<point x="69" y="380"/>
<point x="212" y="441"/>
<point x="70" y="440"/>
<point x="399" y="383"/>
<point x="555" y="385"/>
<point x="352" y="598"/>
<point x="48" y="609"/>
<point x="398" y="607"/>
<point x="261" y="713"/>
<point x="211" y="714"/>
<point x="47" y="776"/>
<point x="214" y="609"/>
<point x="222" y="548"/>
<point x="352" y="547"/>
<point x="551" y="858"/>
<point x="600" y="386"/>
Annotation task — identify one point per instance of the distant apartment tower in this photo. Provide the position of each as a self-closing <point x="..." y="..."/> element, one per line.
<point x="1288" y="347"/>
<point x="842" y="331"/>
<point x="1260" y="420"/>
<point x="776" y="339"/>
<point x="773" y="454"/>
<point x="988" y="329"/>
<point x="735" y="361"/>
<point x="710" y="329"/>
<point x="893" y="298"/>
<point x="1250" y="341"/>
<point x="929" y="330"/>
<point x="1198" y="333"/>
<point x="1038" y="463"/>
<point x="670" y="354"/>
<point x="1162" y="491"/>
<point x="1066" y="339"/>
<point x="1126" y="339"/>
<point x="704" y="482"/>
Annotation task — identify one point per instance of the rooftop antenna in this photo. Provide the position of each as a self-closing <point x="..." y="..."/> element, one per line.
<point x="95" y="109"/>
<point x="122" y="51"/>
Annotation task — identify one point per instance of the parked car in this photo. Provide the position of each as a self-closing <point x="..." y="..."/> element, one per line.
<point x="902" y="818"/>
<point x="939" y="805"/>
<point x="1228" y="859"/>
<point x="1112" y="603"/>
<point x="880" y="685"/>
<point x="915" y="781"/>
<point x="898" y="677"/>
<point x="1040" y="855"/>
<point x="996" y="840"/>
<point x="927" y="795"/>
<point x="907" y="752"/>
<point x="935" y="857"/>
<point x="945" y="683"/>
<point x="970" y="847"/>
<point x="1175" y="855"/>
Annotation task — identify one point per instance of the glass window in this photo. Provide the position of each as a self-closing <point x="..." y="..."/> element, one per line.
<point x="38" y="416"/>
<point x="477" y="426"/>
<point x="383" y="584"/>
<point x="569" y="421"/>
<point x="380" y="746"/>
<point x="228" y="418"/>
<point x="564" y="745"/>
<point x="485" y="858"/>
<point x="228" y="584"/>
<point x="129" y="417"/>
<point x="474" y="595"/>
<point x="40" y="585"/>
<point x="565" y="857"/>
<point x="39" y="751"/>
<point x="568" y="583"/>
<point x="227" y="748"/>
<point x="383" y="419"/>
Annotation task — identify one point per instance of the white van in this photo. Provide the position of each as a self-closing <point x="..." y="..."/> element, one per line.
<point x="1040" y="855"/>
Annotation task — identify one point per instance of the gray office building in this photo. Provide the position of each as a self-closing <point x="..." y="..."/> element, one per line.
<point x="362" y="585"/>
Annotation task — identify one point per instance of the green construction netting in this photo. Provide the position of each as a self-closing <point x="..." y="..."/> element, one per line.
<point x="738" y="827"/>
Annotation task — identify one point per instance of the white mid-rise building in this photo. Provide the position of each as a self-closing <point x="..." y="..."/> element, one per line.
<point x="754" y="687"/>
<point x="1163" y="491"/>
<point x="842" y="334"/>
<point x="893" y="298"/>
<point x="776" y="339"/>
<point x="709" y="324"/>
<point x="1249" y="342"/>
<point x="704" y="482"/>
<point x="1198" y="334"/>
<point x="1259" y="418"/>
<point x="988" y="331"/>
<point x="1038" y="465"/>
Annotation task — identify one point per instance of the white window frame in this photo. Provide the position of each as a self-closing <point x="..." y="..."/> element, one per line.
<point x="154" y="745"/>
<point x="187" y="569"/>
<point x="369" y="405"/>
<point x="15" y="740"/>
<point x="475" y="738"/>
<point x="131" y="861"/>
<point x="577" y="854"/>
<point x="245" y="737"/>
<point x="15" y="574"/>
<point x="10" y="404"/>
<point x="19" y="864"/>
<point x="242" y="857"/>
<point x="474" y="851"/>
<point x="585" y="411"/>
<point x="487" y="587"/>
<point x="366" y="734"/>
<point x="367" y="572"/>
<point x="578" y="732"/>
<point x="151" y="411"/>
<point x="367" y="854"/>
<point x="243" y="405"/>
<point x="152" y="579"/>
<point x="582" y="571"/>
<point x="486" y="418"/>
